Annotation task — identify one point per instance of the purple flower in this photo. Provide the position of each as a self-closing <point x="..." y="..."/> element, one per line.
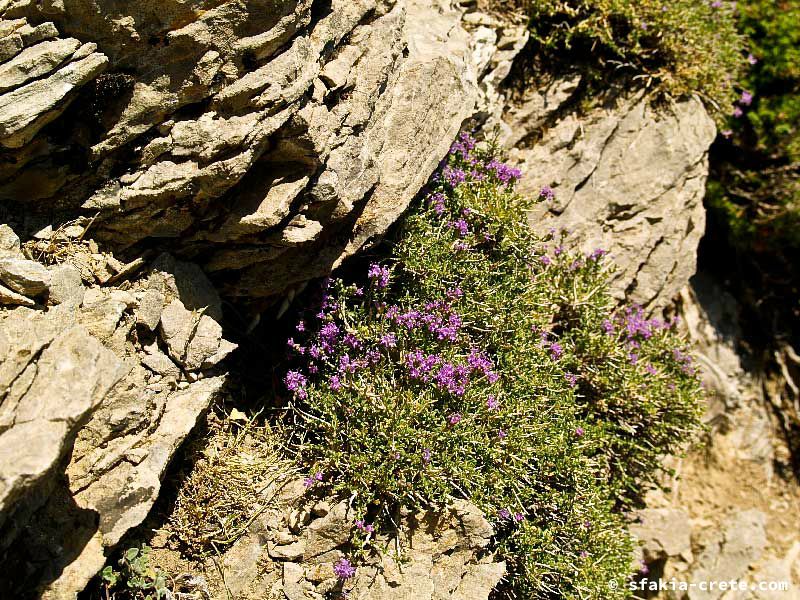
<point x="501" y="434"/>
<point x="633" y="358"/>
<point x="752" y="59"/>
<point x="584" y="554"/>
<point x="426" y="456"/>
<point x="571" y="378"/>
<point x="651" y="370"/>
<point x="504" y="513"/>
<point x="727" y="133"/>
<point x="504" y="173"/>
<point x="598" y="254"/>
<point x="301" y="326"/>
<point x="379" y="274"/>
<point x="343" y="569"/>
<point x="453" y="176"/>
<point x="518" y="517"/>
<point x="313" y="479"/>
<point x="716" y="4"/>
<point x="546" y="260"/>
<point x="746" y="99"/>
<point x="461" y="226"/>
<point x="608" y="326"/>
<point x="455" y="293"/>
<point x="335" y="383"/>
<point x="492" y="403"/>
<point x="547" y="193"/>
<point x="296" y="382"/>
<point x="454" y="419"/>
<point x="737" y="112"/>
<point x="556" y="351"/>
<point x="388" y="340"/>
<point x="579" y="431"/>
<point x="365" y="527"/>
<point x="437" y="202"/>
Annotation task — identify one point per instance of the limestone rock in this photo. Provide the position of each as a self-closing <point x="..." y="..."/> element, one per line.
<point x="628" y="179"/>
<point x="25" y="277"/>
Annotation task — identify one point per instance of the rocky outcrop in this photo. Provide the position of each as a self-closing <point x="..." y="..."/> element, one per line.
<point x="293" y="544"/>
<point x="99" y="385"/>
<point x="627" y="177"/>
<point x="265" y="140"/>
<point x="732" y="508"/>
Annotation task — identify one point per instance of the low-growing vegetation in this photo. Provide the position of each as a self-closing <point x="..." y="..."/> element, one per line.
<point x="677" y="47"/>
<point x="483" y="363"/>
<point x="134" y="578"/>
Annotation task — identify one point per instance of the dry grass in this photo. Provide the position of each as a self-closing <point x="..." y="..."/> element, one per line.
<point x="237" y="469"/>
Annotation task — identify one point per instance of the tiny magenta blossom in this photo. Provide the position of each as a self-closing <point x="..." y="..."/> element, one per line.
<point x="501" y="434"/>
<point x="492" y="403"/>
<point x="547" y="193"/>
<point x="344" y="569"/>
<point x="426" y="455"/>
<point x="579" y="432"/>
<point x="752" y="59"/>
<point x="747" y="98"/>
<point x="454" y="419"/>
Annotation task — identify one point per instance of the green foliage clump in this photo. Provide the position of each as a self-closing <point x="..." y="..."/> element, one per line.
<point x="679" y="47"/>
<point x="136" y="578"/>
<point x="756" y="183"/>
<point x="487" y="364"/>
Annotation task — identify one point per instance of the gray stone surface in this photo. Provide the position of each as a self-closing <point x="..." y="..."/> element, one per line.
<point x="628" y="179"/>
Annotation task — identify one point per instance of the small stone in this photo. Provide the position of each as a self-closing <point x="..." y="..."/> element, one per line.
<point x="9" y="242"/>
<point x="321" y="509"/>
<point x="298" y="519"/>
<point x="321" y="572"/>
<point x="293" y="552"/>
<point x="66" y="286"/>
<point x="11" y="297"/>
<point x="24" y="276"/>
<point x="284" y="537"/>
<point x="148" y="314"/>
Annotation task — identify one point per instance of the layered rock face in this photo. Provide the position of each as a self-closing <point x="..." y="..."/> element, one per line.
<point x="98" y="388"/>
<point x="264" y="139"/>
<point x="628" y="178"/>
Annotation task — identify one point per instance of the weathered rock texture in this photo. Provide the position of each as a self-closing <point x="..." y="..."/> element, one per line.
<point x="265" y="139"/>
<point x="98" y="387"/>
<point x="291" y="547"/>
<point x="628" y="178"/>
<point x="732" y="511"/>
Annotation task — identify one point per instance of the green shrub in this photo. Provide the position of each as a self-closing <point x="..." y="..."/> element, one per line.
<point x="756" y="182"/>
<point x="136" y="578"/>
<point x="483" y="363"/>
<point x="678" y="47"/>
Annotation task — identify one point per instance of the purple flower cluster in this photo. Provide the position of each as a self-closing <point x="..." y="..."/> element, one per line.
<point x="313" y="479"/>
<point x="344" y="569"/>
<point x="296" y="382"/>
<point x="504" y="173"/>
<point x="379" y="275"/>
<point x="453" y="176"/>
<point x="364" y="527"/>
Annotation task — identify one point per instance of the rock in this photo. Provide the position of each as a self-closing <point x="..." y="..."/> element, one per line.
<point x="629" y="179"/>
<point x="148" y="313"/>
<point x="321" y="509"/>
<point x="25" y="277"/>
<point x="729" y="555"/>
<point x="293" y="552"/>
<point x="327" y="534"/>
<point x="664" y="533"/>
<point x="317" y="128"/>
<point x="10" y="297"/>
<point x="9" y="242"/>
<point x="46" y="399"/>
<point x="66" y="286"/>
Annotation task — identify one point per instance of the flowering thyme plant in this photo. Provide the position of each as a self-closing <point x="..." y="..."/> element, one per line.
<point x="486" y="364"/>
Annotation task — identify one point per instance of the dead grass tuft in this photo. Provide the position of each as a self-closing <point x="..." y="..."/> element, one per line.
<point x="237" y="469"/>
